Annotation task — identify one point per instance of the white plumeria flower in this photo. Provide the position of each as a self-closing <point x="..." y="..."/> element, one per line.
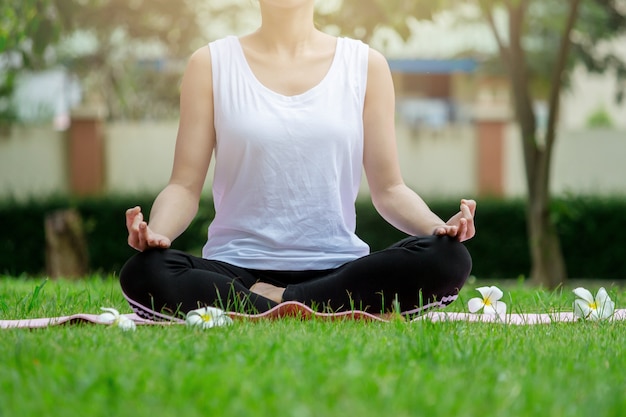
<point x="113" y="317"/>
<point x="208" y="317"/>
<point x="489" y="302"/>
<point x="589" y="308"/>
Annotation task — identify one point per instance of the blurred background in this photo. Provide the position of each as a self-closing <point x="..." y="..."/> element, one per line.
<point x="517" y="104"/>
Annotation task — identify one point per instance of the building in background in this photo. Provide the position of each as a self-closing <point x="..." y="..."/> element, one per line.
<point x="433" y="93"/>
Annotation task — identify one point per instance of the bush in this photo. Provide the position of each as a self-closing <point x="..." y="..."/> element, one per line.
<point x="590" y="230"/>
<point x="600" y="118"/>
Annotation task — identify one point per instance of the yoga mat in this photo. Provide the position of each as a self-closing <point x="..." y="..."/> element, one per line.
<point x="298" y="310"/>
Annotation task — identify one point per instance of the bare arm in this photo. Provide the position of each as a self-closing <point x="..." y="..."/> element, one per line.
<point x="397" y="203"/>
<point x="177" y="204"/>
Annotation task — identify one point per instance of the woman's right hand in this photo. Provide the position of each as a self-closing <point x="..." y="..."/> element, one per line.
<point x="140" y="236"/>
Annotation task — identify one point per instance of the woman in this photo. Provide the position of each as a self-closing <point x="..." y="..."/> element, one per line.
<point x="292" y="115"/>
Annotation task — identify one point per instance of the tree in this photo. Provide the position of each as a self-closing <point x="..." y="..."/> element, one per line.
<point x="134" y="47"/>
<point x="26" y="29"/>
<point x="120" y="35"/>
<point x="570" y="41"/>
<point x="539" y="43"/>
<point x="572" y="30"/>
<point x="360" y="19"/>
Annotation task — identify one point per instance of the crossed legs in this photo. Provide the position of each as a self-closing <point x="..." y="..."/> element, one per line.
<point x="415" y="274"/>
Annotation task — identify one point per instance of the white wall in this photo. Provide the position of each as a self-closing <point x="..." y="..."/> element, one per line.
<point x="589" y="162"/>
<point x="439" y="163"/>
<point x="513" y="163"/>
<point x="33" y="162"/>
<point x="139" y="156"/>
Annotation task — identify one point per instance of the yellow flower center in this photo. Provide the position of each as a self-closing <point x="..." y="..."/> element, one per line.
<point x="206" y="317"/>
<point x="593" y="306"/>
<point x="487" y="301"/>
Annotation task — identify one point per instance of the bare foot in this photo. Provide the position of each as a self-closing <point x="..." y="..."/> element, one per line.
<point x="270" y="291"/>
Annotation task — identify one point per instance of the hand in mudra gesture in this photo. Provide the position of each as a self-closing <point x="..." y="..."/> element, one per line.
<point x="461" y="225"/>
<point x="140" y="236"/>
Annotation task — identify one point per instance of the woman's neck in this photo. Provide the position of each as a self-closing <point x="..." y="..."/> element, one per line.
<point x="286" y="30"/>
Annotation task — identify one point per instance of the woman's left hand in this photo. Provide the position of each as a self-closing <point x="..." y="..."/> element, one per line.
<point x="461" y="225"/>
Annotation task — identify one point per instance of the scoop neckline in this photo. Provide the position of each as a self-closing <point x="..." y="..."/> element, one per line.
<point x="305" y="94"/>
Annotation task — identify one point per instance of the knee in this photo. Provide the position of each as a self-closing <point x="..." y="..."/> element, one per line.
<point x="138" y="269"/>
<point x="455" y="260"/>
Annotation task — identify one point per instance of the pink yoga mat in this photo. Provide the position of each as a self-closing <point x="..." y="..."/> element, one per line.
<point x="294" y="309"/>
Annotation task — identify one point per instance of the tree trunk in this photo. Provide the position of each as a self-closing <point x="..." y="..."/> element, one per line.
<point x="548" y="264"/>
<point x="548" y="267"/>
<point x="66" y="246"/>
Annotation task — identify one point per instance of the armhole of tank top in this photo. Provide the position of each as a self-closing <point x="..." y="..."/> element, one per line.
<point x="213" y="52"/>
<point x="363" y="66"/>
<point x="219" y="55"/>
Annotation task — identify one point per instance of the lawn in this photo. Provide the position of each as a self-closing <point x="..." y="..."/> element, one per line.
<point x="311" y="368"/>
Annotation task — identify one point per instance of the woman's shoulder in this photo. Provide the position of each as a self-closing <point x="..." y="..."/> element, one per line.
<point x="199" y="64"/>
<point x="201" y="56"/>
<point x="376" y="57"/>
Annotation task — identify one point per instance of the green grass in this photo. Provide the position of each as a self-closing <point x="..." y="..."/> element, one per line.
<point x="312" y="368"/>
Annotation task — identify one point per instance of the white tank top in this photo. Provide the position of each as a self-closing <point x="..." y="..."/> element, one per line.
<point x="287" y="168"/>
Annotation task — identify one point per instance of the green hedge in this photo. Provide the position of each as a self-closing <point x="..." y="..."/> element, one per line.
<point x="499" y="249"/>
<point x="591" y="232"/>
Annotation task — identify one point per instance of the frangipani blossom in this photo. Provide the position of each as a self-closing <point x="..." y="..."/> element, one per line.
<point x="208" y="317"/>
<point x="489" y="302"/>
<point x="112" y="316"/>
<point x="589" y="308"/>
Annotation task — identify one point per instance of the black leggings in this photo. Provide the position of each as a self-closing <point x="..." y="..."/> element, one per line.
<point x="414" y="274"/>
